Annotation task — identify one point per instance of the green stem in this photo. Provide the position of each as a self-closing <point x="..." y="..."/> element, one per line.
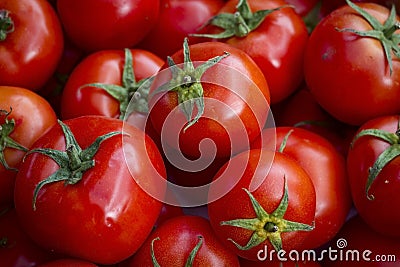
<point x="6" y="24"/>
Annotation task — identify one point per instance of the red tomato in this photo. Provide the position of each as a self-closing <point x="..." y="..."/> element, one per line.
<point x="357" y="245"/>
<point x="177" y="19"/>
<point x="277" y="45"/>
<point x="104" y="217"/>
<point x="349" y="75"/>
<point x="107" y="67"/>
<point x="180" y="240"/>
<point x="277" y="214"/>
<point x="326" y="168"/>
<point x="24" y="117"/>
<point x="373" y="168"/>
<point x="16" y="248"/>
<point x="107" y="24"/>
<point x="235" y="108"/>
<point x="31" y="47"/>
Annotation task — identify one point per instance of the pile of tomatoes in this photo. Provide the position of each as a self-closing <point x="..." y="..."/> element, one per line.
<point x="199" y="133"/>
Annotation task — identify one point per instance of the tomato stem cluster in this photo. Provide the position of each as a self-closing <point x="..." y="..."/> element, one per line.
<point x="240" y="23"/>
<point x="385" y="33"/>
<point x="131" y="94"/>
<point x="73" y="162"/>
<point x="265" y="225"/>
<point x="186" y="82"/>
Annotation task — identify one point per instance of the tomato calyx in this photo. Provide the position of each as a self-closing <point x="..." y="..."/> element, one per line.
<point x="6" y="24"/>
<point x="240" y="23"/>
<point x="267" y="226"/>
<point x="137" y="91"/>
<point x="384" y="158"/>
<point x="6" y="141"/>
<point x="73" y="162"/>
<point x="186" y="82"/>
<point x="385" y="33"/>
<point x="189" y="261"/>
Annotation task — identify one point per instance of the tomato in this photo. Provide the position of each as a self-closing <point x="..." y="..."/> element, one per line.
<point x="31" y="43"/>
<point x="24" y="117"/>
<point x="303" y="111"/>
<point x="327" y="170"/>
<point x="95" y="25"/>
<point x="16" y="248"/>
<point x="121" y="71"/>
<point x="76" y="192"/>
<point x="277" y="213"/>
<point x="349" y="75"/>
<point x="276" y="44"/>
<point x="373" y="168"/>
<point x="185" y="240"/>
<point x="357" y="245"/>
<point x="196" y="100"/>
<point x="176" y="21"/>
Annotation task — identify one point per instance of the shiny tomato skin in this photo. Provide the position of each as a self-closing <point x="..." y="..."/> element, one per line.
<point x="277" y="46"/>
<point x="257" y="162"/>
<point x="95" y="25"/>
<point x="105" y="217"/>
<point x="33" y="116"/>
<point x="16" y="248"/>
<point x="361" y="157"/>
<point x="177" y="237"/>
<point x="30" y="54"/>
<point x="105" y="67"/>
<point x="247" y="94"/>
<point x="348" y="75"/>
<point x="327" y="169"/>
<point x="176" y="21"/>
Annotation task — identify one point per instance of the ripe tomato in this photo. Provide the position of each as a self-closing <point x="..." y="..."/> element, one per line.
<point x="357" y="245"/>
<point x="327" y="170"/>
<point x="373" y="168"/>
<point x="24" y="117"/>
<point x="350" y="75"/>
<point x="182" y="240"/>
<point x="95" y="25"/>
<point x="276" y="43"/>
<point x="121" y="71"/>
<point x="98" y="213"/>
<point x="278" y="214"/>
<point x="218" y="93"/>
<point x="16" y="248"/>
<point x="31" y="43"/>
<point x="177" y="19"/>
